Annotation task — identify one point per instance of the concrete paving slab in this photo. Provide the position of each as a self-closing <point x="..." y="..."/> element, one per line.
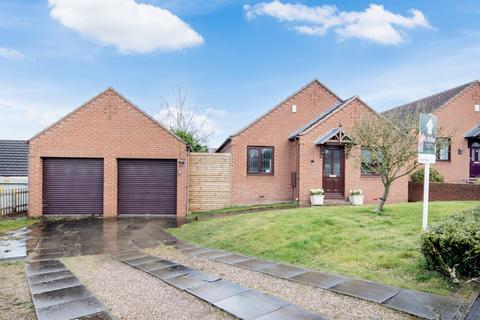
<point x="233" y="258"/>
<point x="203" y="276"/>
<point x="37" y="268"/>
<point x="171" y="272"/>
<point x="292" y="312"/>
<point x="183" y="282"/>
<point x="250" y="305"/>
<point x="131" y="255"/>
<point x="47" y="256"/>
<point x="408" y="302"/>
<point x="97" y="316"/>
<point x="51" y="298"/>
<point x="319" y="279"/>
<point x="213" y="254"/>
<point x="255" y="264"/>
<point x="43" y="277"/>
<point x="283" y="271"/>
<point x="446" y="307"/>
<point x="216" y="291"/>
<point x="71" y="310"/>
<point x="142" y="260"/>
<point x="196" y="250"/>
<point x="366" y="290"/>
<point x="155" y="265"/>
<point x="54" y="285"/>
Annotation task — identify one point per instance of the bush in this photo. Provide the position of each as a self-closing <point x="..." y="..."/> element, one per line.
<point x="453" y="246"/>
<point x="435" y="175"/>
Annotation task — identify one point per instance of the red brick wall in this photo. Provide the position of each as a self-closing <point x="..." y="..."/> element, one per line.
<point x="458" y="117"/>
<point x="273" y="130"/>
<point x="107" y="127"/>
<point x="311" y="162"/>
<point x="444" y="192"/>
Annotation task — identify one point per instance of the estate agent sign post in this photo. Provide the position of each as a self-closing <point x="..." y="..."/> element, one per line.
<point x="427" y="155"/>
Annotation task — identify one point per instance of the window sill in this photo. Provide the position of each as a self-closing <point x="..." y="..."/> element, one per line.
<point x="443" y="160"/>
<point x="260" y="174"/>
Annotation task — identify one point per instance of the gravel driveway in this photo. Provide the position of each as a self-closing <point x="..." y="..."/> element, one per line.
<point x="134" y="295"/>
<point x="330" y="304"/>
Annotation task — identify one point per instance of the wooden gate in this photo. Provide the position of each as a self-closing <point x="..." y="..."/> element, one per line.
<point x="210" y="181"/>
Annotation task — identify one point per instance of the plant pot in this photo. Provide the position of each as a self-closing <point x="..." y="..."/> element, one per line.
<point x="356" y="200"/>
<point x="317" y="200"/>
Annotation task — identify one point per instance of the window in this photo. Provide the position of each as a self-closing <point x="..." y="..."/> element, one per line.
<point x="369" y="165"/>
<point x="260" y="160"/>
<point x="443" y="149"/>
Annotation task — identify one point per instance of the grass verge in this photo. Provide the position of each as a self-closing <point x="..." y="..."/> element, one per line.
<point x="8" y="224"/>
<point x="346" y="240"/>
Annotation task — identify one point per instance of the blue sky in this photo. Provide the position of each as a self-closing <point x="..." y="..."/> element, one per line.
<point x="235" y="58"/>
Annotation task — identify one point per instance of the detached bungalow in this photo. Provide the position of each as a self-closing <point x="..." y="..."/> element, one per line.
<point x="300" y="145"/>
<point x="458" y="113"/>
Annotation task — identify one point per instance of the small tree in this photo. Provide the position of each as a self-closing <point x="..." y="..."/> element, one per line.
<point x="392" y="142"/>
<point x="185" y="122"/>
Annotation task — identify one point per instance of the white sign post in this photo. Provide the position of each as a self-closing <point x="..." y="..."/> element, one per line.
<point x="427" y="156"/>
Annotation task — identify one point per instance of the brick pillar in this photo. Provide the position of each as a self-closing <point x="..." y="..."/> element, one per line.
<point x="110" y="187"/>
<point x="35" y="196"/>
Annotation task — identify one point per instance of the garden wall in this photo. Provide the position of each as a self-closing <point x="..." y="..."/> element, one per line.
<point x="210" y="181"/>
<point x="444" y="191"/>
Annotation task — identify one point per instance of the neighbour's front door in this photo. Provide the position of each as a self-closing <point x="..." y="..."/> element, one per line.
<point x="475" y="160"/>
<point x="333" y="171"/>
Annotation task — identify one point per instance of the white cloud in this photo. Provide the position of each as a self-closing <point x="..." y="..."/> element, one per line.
<point x="216" y="112"/>
<point x="130" y="26"/>
<point x="10" y="53"/>
<point x="373" y="24"/>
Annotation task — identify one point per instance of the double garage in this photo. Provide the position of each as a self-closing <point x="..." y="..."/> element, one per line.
<point x="75" y="186"/>
<point x="108" y="158"/>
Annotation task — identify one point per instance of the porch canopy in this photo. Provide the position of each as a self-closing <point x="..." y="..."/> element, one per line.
<point x="473" y="133"/>
<point x="334" y="136"/>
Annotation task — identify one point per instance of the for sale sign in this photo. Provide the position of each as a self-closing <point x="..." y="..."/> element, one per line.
<point x="426" y="139"/>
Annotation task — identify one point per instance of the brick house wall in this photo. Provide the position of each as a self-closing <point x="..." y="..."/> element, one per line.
<point x="108" y="127"/>
<point x="458" y="116"/>
<point x="273" y="130"/>
<point x="311" y="162"/>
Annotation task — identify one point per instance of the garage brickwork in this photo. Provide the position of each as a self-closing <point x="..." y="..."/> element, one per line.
<point x="112" y="128"/>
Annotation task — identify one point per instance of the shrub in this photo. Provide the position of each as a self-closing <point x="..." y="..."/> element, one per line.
<point x="435" y="175"/>
<point x="453" y="246"/>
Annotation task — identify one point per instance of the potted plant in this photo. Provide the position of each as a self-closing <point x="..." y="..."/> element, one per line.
<point x="316" y="197"/>
<point x="356" y="197"/>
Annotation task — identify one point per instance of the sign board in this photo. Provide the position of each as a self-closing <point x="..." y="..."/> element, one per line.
<point x="426" y="140"/>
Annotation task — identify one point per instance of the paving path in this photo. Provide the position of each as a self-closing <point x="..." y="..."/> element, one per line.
<point x="49" y="240"/>
<point x="231" y="297"/>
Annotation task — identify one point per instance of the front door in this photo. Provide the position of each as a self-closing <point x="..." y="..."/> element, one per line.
<point x="475" y="160"/>
<point x="333" y="171"/>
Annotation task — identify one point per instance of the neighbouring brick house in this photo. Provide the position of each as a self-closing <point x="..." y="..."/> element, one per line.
<point x="458" y="114"/>
<point x="13" y="164"/>
<point x="299" y="145"/>
<point x="107" y="157"/>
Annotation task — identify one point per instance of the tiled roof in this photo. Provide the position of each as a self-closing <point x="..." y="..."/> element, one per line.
<point x="327" y="136"/>
<point x="474" y="132"/>
<point x="429" y="104"/>
<point x="13" y="158"/>
<point x="320" y="117"/>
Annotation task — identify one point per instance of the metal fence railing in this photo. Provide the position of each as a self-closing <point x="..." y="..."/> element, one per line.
<point x="13" y="201"/>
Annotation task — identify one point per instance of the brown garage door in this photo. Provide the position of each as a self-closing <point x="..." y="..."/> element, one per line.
<point x="147" y="186"/>
<point x="72" y="186"/>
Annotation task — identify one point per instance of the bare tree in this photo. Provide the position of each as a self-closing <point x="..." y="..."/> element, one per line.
<point x="185" y="121"/>
<point x="391" y="141"/>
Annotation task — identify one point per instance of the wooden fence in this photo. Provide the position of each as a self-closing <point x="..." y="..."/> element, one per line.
<point x="210" y="181"/>
<point x="13" y="201"/>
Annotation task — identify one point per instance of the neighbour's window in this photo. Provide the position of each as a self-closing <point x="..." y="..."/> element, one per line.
<point x="370" y="163"/>
<point x="443" y="149"/>
<point x="260" y="160"/>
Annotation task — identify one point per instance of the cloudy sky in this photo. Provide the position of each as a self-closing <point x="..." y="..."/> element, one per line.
<point x="235" y="58"/>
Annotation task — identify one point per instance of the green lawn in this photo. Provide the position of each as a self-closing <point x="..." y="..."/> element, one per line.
<point x="8" y="224"/>
<point x="344" y="240"/>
